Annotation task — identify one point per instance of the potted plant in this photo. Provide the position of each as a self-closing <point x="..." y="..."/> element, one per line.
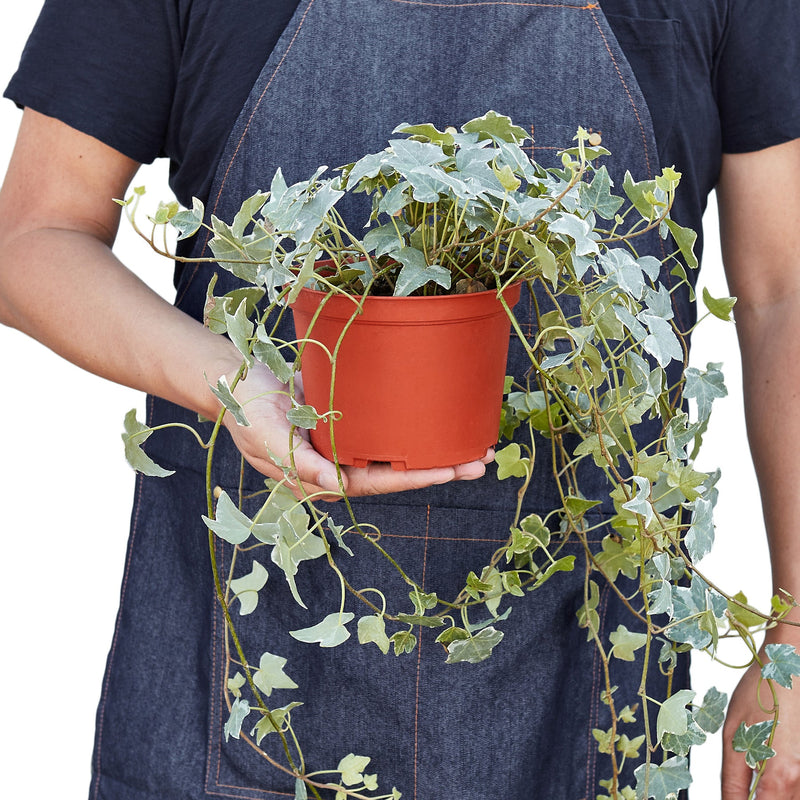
<point x="604" y="386"/>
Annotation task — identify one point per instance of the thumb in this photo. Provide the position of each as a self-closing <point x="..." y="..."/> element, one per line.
<point x="315" y="472"/>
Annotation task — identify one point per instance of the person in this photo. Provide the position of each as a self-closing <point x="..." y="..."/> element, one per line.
<point x="669" y="83"/>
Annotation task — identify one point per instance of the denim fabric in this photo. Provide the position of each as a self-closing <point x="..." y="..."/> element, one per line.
<point x="517" y="726"/>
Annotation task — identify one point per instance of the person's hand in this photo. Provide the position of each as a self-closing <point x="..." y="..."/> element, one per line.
<point x="781" y="779"/>
<point x="265" y="443"/>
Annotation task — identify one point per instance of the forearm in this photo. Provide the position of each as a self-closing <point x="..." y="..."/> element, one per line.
<point x="66" y="289"/>
<point x="769" y="336"/>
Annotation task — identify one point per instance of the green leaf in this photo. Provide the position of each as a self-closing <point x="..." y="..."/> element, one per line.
<point x="663" y="781"/>
<point x="616" y="557"/>
<point x="784" y="663"/>
<point x="372" y="628"/>
<point x="235" y="684"/>
<point x="188" y="222"/>
<point x="630" y="747"/>
<point x="564" y="564"/>
<point x="673" y="716"/>
<point x="720" y="307"/>
<point x="626" y="643"/>
<point x="495" y="126"/>
<point x="268" y="353"/>
<point x="222" y="392"/>
<point x="328" y="633"/>
<point x="742" y="615"/>
<point x="135" y="435"/>
<point x="475" y="649"/>
<point x="751" y="740"/>
<point x="578" y="506"/>
<point x="685" y="238"/>
<point x="247" y="587"/>
<point x="510" y="463"/>
<point x="640" y="193"/>
<point x="281" y="716"/>
<point x="352" y="768"/>
<point x="418" y="619"/>
<point x="239" y="711"/>
<point x="270" y="674"/>
<point x="711" y="714"/>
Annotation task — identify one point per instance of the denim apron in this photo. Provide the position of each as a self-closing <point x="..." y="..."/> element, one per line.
<point x="517" y="726"/>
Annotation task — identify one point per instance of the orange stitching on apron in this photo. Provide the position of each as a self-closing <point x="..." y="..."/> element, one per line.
<point x="626" y="88"/>
<point x="419" y="653"/>
<point x="107" y="678"/>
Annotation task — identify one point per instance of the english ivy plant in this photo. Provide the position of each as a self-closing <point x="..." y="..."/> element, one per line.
<point x="462" y="211"/>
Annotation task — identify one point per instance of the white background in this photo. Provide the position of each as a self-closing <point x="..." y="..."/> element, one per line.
<point x="66" y="493"/>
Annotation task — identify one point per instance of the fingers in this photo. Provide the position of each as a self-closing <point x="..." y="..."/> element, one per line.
<point x="736" y="775"/>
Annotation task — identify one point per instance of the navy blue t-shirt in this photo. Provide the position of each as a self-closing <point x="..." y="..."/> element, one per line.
<point x="168" y="77"/>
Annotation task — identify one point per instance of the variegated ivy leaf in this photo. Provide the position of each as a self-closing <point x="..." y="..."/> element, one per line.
<point x="247" y="587"/>
<point x="673" y="717"/>
<point x="752" y="741"/>
<point x="268" y="353"/>
<point x="134" y="436"/>
<point x="247" y="212"/>
<point x="372" y="628"/>
<point x="626" y="642"/>
<point x="188" y="222"/>
<point x="331" y="632"/>
<point x="240" y="330"/>
<point x="386" y="238"/>
<point x="281" y="716"/>
<point x="417" y="272"/>
<point x="239" y="711"/>
<point x="235" y="684"/>
<point x="579" y="230"/>
<point x="696" y="609"/>
<point x="304" y="416"/>
<point x="640" y="503"/>
<point x="662" y="342"/>
<point x="270" y="674"/>
<point x="232" y="254"/>
<point x="711" y="714"/>
<point x="300" y="791"/>
<point x="705" y="387"/>
<point x="682" y="743"/>
<point x="624" y="270"/>
<point x="229" y="523"/>
<point x="597" y="195"/>
<point x="784" y="662"/>
<point x="662" y="781"/>
<point x="222" y="392"/>
<point x="475" y="649"/>
<point x="700" y="537"/>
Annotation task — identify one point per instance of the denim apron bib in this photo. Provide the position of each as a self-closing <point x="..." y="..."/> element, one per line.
<point x="517" y="726"/>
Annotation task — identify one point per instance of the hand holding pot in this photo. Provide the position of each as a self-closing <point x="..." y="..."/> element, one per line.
<point x="266" y="441"/>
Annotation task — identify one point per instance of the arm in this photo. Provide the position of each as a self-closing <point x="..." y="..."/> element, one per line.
<point x="61" y="284"/>
<point x="759" y="202"/>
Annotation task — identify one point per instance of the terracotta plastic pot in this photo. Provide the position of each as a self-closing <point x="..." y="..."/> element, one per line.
<point x="419" y="380"/>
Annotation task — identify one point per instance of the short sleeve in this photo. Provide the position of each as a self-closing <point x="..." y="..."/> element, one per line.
<point x="757" y="68"/>
<point x="105" y="67"/>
